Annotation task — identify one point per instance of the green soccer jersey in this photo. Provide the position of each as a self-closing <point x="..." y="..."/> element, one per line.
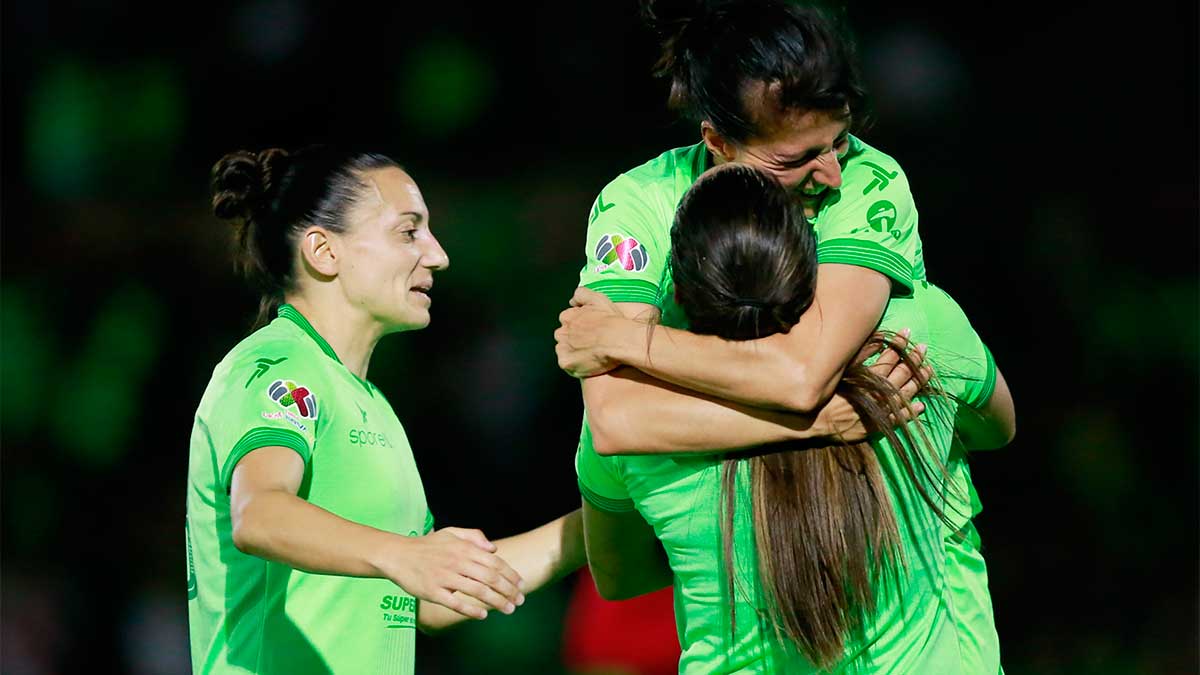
<point x="915" y="628"/>
<point x="870" y="222"/>
<point x="966" y="571"/>
<point x="284" y="386"/>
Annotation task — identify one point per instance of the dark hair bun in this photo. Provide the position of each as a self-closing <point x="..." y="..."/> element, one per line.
<point x="242" y="180"/>
<point x="671" y="20"/>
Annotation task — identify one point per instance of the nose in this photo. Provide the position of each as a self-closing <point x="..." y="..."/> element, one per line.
<point x="434" y="256"/>
<point x="828" y="171"/>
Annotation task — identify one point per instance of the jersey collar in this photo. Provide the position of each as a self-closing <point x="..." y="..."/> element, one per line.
<point x="292" y="314"/>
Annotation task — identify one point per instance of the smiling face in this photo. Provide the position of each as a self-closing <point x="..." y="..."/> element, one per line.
<point x="802" y="149"/>
<point x="387" y="254"/>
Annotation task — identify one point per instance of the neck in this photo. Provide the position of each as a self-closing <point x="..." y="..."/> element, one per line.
<point x="352" y="335"/>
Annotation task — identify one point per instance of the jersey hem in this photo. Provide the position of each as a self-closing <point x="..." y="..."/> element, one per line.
<point x="605" y="503"/>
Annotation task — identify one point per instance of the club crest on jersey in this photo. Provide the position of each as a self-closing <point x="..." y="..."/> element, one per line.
<point x="287" y="394"/>
<point x="882" y="218"/>
<point x="629" y="253"/>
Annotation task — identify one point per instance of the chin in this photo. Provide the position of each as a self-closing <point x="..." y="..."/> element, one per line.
<point x="411" y="322"/>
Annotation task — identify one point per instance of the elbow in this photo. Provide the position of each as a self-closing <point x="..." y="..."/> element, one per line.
<point x="605" y="443"/>
<point x="799" y="392"/>
<point x="1010" y="433"/>
<point x="608" y="432"/>
<point x="242" y="521"/>
<point x="610" y="587"/>
<point x="802" y="395"/>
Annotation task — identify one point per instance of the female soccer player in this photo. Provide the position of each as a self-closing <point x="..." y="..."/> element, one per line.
<point x="310" y="545"/>
<point x="774" y="85"/>
<point x="823" y="559"/>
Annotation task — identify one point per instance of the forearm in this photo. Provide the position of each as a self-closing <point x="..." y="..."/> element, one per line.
<point x="283" y="528"/>
<point x="795" y="371"/>
<point x="624" y="556"/>
<point x="546" y="554"/>
<point x="759" y="373"/>
<point x="541" y="556"/>
<point x="630" y="412"/>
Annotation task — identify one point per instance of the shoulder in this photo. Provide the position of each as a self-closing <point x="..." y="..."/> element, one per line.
<point x="871" y="174"/>
<point x="272" y="352"/>
<point x="658" y="183"/>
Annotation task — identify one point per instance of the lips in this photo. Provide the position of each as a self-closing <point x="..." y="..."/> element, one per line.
<point x="422" y="289"/>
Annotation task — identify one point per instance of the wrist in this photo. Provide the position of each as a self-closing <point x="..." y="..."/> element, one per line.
<point x="626" y="341"/>
<point x="807" y="427"/>
<point x="381" y="550"/>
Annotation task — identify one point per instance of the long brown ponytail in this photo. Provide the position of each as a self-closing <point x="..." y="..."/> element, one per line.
<point x="825" y="531"/>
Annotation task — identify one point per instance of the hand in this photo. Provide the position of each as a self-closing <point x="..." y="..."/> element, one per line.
<point x="839" y="419"/>
<point x="454" y="567"/>
<point x="898" y="373"/>
<point x="584" y="333"/>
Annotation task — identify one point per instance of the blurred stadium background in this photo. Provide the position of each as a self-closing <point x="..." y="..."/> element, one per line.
<point x="1052" y="150"/>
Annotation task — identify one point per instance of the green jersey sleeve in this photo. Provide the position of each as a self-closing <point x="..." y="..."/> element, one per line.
<point x="628" y="241"/>
<point x="979" y="390"/>
<point x="872" y="220"/>
<point x="600" y="480"/>
<point x="267" y="397"/>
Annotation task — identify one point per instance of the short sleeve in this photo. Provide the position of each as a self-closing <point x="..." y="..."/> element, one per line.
<point x="599" y="477"/>
<point x="872" y="220"/>
<point x="264" y="399"/>
<point x="627" y="244"/>
<point x="979" y="390"/>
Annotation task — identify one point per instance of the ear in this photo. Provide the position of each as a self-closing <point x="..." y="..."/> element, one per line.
<point x="318" y="249"/>
<point x="722" y="148"/>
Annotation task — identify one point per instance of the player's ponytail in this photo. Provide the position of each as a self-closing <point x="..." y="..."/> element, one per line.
<point x="744" y="266"/>
<point x="731" y="61"/>
<point x="273" y="195"/>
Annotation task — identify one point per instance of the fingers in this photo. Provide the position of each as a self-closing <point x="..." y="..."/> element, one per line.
<point x="885" y="365"/>
<point x="451" y="601"/>
<point x="506" y="571"/>
<point x="900" y="340"/>
<point x="900" y="375"/>
<point x="586" y="296"/>
<point x="507" y="585"/>
<point x="472" y="536"/>
<point x="484" y="593"/>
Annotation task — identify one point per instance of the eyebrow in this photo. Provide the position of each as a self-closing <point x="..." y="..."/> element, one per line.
<point x="812" y="153"/>
<point x="417" y="216"/>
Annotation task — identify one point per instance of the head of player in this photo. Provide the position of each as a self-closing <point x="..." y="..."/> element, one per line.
<point x="744" y="264"/>
<point x="342" y="236"/>
<point x="772" y="84"/>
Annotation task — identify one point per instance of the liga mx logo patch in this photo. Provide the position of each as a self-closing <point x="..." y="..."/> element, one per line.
<point x="628" y="252"/>
<point x="288" y="394"/>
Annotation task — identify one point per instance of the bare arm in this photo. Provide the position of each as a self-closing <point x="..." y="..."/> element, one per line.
<point x="630" y="412"/>
<point x="271" y="522"/>
<point x="625" y="558"/>
<point x="541" y="556"/>
<point x="795" y="371"/>
<point x="992" y="426"/>
<point x="627" y="409"/>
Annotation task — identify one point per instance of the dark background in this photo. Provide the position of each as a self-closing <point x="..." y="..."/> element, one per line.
<point x="1052" y="151"/>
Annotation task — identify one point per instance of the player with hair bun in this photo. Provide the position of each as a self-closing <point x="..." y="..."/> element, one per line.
<point x="311" y="548"/>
